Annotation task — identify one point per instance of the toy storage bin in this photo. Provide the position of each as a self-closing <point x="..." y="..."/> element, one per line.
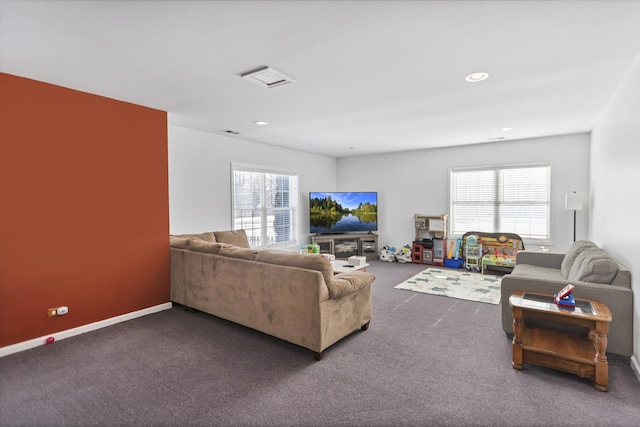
<point x="453" y="263"/>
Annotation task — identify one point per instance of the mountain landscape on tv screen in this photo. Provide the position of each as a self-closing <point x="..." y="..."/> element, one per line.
<point x="341" y="212"/>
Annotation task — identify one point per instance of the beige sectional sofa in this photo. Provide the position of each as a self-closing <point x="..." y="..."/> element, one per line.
<point x="595" y="275"/>
<point x="288" y="295"/>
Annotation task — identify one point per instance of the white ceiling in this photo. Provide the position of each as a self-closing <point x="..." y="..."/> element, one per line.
<point x="371" y="76"/>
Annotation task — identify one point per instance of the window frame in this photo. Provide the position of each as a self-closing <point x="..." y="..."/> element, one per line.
<point x="498" y="201"/>
<point x="265" y="211"/>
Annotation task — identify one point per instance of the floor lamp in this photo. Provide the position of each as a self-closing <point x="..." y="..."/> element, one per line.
<point x="573" y="202"/>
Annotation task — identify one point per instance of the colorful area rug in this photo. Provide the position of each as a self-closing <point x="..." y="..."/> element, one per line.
<point x="460" y="284"/>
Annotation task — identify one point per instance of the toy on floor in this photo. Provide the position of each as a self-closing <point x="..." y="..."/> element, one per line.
<point x="403" y="254"/>
<point x="387" y="253"/>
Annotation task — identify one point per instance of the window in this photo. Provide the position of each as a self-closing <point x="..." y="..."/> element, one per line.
<point x="264" y="205"/>
<point x="505" y="199"/>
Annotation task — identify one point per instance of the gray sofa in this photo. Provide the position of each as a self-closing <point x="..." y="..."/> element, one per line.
<point x="290" y="296"/>
<point x="595" y="275"/>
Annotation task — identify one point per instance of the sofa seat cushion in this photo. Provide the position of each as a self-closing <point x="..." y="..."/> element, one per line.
<point x="544" y="273"/>
<point x="572" y="254"/>
<point x="347" y="283"/>
<point x="240" y="253"/>
<point x="312" y="262"/>
<point x="594" y="265"/>
<point x="235" y="237"/>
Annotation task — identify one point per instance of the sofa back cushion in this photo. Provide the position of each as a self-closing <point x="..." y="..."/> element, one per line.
<point x="311" y="262"/>
<point x="623" y="278"/>
<point x="593" y="265"/>
<point x="574" y="251"/>
<point x="235" y="237"/>
<point x="233" y="251"/>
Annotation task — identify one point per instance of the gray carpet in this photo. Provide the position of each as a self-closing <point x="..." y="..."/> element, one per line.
<point x="425" y="360"/>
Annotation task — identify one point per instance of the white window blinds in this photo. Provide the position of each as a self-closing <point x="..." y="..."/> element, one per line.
<point x="264" y="205"/>
<point x="505" y="199"/>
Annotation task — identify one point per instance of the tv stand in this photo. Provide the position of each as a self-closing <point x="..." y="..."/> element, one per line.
<point x="345" y="245"/>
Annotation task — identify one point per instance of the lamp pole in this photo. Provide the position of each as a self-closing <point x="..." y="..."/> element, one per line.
<point x="573" y="201"/>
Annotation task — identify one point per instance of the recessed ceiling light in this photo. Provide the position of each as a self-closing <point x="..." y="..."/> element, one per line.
<point x="261" y="123"/>
<point x="267" y="77"/>
<point x="477" y="77"/>
<point x="506" y="129"/>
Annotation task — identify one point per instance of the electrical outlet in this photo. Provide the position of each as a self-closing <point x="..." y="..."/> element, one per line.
<point x="52" y="312"/>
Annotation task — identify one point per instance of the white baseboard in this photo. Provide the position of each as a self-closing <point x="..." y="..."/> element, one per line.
<point x="635" y="367"/>
<point x="36" y="342"/>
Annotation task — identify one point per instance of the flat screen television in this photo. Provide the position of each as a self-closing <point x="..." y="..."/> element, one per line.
<point x="343" y="212"/>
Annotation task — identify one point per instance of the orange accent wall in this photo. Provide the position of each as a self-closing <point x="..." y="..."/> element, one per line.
<point x="84" y="208"/>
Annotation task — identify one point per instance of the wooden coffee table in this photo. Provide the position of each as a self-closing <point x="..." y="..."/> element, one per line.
<point x="579" y="347"/>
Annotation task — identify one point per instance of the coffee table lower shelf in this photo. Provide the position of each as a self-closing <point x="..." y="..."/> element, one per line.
<point x="563" y="351"/>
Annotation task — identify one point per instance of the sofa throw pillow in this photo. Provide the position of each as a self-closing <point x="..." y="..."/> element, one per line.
<point x="235" y="237"/>
<point x="208" y="247"/>
<point x="178" y="242"/>
<point x="207" y="237"/>
<point x="570" y="257"/>
<point x="236" y="252"/>
<point x="594" y="266"/>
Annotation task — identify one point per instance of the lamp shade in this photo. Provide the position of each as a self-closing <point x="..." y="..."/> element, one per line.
<point x="573" y="201"/>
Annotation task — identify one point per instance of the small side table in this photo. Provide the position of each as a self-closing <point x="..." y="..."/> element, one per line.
<point x="580" y="354"/>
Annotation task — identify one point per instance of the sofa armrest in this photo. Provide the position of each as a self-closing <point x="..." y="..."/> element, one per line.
<point x="598" y="291"/>
<point x="346" y="283"/>
<point x="541" y="259"/>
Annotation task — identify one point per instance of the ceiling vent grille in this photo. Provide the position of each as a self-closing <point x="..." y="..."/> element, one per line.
<point x="230" y="132"/>
<point x="267" y="77"/>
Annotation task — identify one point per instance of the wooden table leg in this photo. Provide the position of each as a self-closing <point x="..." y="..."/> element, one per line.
<point x="518" y="325"/>
<point x="599" y="338"/>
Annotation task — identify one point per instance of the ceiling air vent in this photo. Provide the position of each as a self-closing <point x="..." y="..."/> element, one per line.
<point x="267" y="77"/>
<point x="230" y="132"/>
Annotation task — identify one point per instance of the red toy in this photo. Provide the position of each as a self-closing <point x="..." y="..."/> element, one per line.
<point x="564" y="297"/>
<point x="564" y="292"/>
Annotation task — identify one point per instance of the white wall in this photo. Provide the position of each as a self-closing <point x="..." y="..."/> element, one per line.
<point x="615" y="190"/>
<point x="418" y="181"/>
<point x="200" y="177"/>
